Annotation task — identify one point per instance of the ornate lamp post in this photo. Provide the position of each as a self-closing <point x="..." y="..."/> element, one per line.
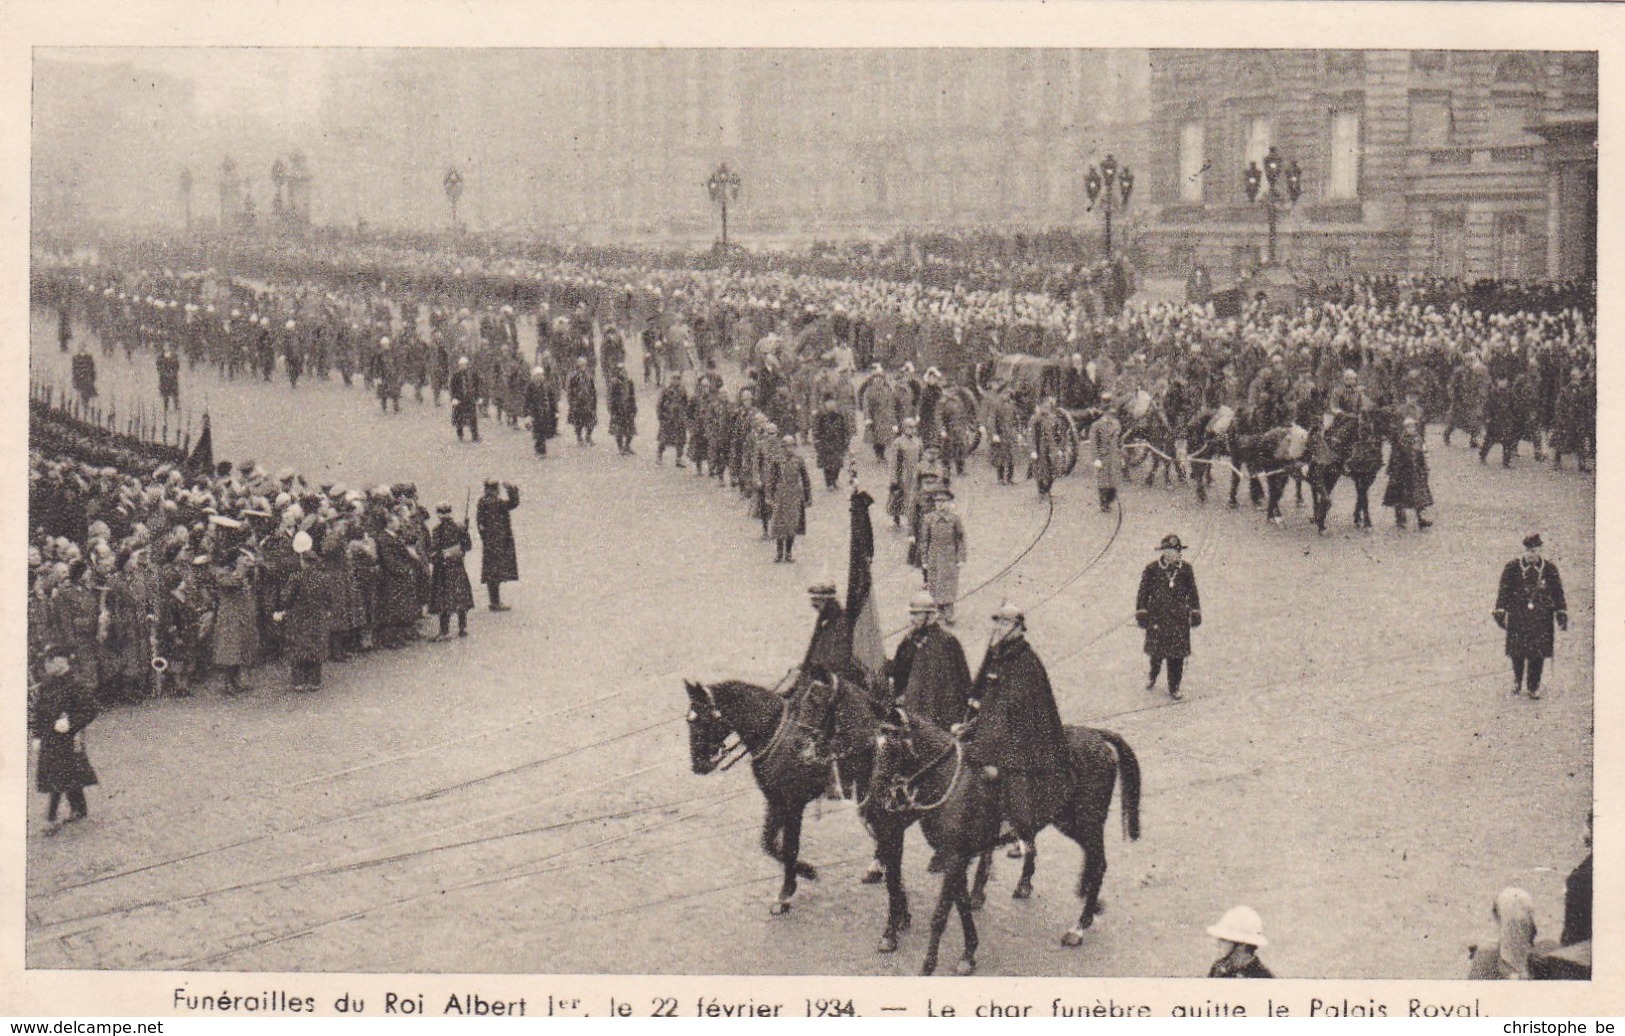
<point x="723" y="187"/>
<point x="1278" y="185"/>
<point x="453" y="186"/>
<point x="1103" y="185"/>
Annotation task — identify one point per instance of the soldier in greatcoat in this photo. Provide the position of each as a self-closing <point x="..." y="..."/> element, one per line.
<point x="1167" y="607"/>
<point x="672" y="412"/>
<point x="499" y="559"/>
<point x="582" y="394"/>
<point x="929" y="676"/>
<point x="942" y="553"/>
<point x="449" y="588"/>
<point x="60" y="709"/>
<point x="303" y="615"/>
<point x="789" y="494"/>
<point x="1106" y="436"/>
<point x="542" y="407"/>
<point x="1527" y="603"/>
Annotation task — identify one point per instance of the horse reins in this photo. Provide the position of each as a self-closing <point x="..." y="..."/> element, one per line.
<point x="901" y="794"/>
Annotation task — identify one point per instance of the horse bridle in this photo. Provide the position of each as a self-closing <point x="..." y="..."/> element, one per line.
<point x="900" y="794"/>
<point x="719" y="757"/>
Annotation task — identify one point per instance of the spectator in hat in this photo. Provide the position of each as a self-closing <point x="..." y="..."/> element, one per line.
<point x="1241" y="935"/>
<point x="499" y="559"/>
<point x="450" y="590"/>
<point x="62" y="706"/>
<point x="303" y="615"/>
<point x="1167" y="607"/>
<point x="1528" y="602"/>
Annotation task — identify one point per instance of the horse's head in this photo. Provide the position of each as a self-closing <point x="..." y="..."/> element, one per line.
<point x="895" y="754"/>
<point x="707" y="730"/>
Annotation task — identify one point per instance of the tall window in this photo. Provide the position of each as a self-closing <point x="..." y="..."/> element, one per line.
<point x="1192" y="161"/>
<point x="1260" y="135"/>
<point x="1508" y="114"/>
<point x="1511" y="245"/>
<point x="1449" y="244"/>
<point x="1343" y="158"/>
<point x="1433" y="123"/>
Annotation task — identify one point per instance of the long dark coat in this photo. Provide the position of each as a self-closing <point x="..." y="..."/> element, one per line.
<point x="398" y="596"/>
<point x="499" y="559"/>
<point x="1528" y="601"/>
<point x="1166" y="607"/>
<point x="623" y="406"/>
<point x="63" y="764"/>
<point x="672" y="413"/>
<point x="930" y="675"/>
<point x="305" y="619"/>
<point x="1407" y="475"/>
<point x="832" y="436"/>
<point x="1018" y="726"/>
<point x="582" y="393"/>
<point x="831" y="643"/>
<point x="542" y="407"/>
<point x="449" y="589"/>
<point x="236" y="628"/>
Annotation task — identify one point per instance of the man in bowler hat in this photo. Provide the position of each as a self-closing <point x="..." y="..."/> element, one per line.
<point x="1529" y="600"/>
<point x="1168" y="608"/>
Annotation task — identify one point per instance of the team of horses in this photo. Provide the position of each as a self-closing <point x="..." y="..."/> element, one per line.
<point x="831" y="735"/>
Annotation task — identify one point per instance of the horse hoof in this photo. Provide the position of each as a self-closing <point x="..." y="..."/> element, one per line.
<point x="806" y="871"/>
<point x="906" y="922"/>
<point x="928" y="968"/>
<point x="873" y="876"/>
<point x="1023" y="891"/>
<point x="966" y="966"/>
<point x="780" y="907"/>
<point x="887" y="944"/>
<point x="1100" y="908"/>
<point x="1073" y="937"/>
<point x="978" y="900"/>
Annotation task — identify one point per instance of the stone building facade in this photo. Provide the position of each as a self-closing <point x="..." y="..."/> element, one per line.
<point x="1462" y="163"/>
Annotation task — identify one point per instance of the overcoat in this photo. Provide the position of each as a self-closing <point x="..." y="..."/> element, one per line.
<point x="905" y="457"/>
<point x="1167" y="607"/>
<point x="672" y="413"/>
<point x="63" y="763"/>
<point x="832" y="435"/>
<point x="1530" y="599"/>
<point x="1106" y="435"/>
<point x="542" y="407"/>
<point x="942" y="551"/>
<point x="236" y="628"/>
<point x="582" y="393"/>
<point x="1018" y="726"/>
<point x="305" y="606"/>
<point x="499" y="560"/>
<point x="1407" y="475"/>
<point x="398" y="597"/>
<point x="623" y="406"/>
<point x="930" y="675"/>
<point x="789" y="494"/>
<point x="449" y="589"/>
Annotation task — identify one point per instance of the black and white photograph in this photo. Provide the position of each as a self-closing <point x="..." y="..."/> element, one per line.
<point x="885" y="510"/>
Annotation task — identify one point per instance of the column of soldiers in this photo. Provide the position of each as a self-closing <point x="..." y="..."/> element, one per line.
<point x="148" y="584"/>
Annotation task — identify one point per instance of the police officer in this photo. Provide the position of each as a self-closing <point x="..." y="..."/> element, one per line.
<point x="1530" y="598"/>
<point x="1168" y="608"/>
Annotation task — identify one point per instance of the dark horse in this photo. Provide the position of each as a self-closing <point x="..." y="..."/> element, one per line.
<point x="920" y="774"/>
<point x="1160" y="436"/>
<point x="1249" y="448"/>
<point x="798" y="751"/>
<point x="1354" y="443"/>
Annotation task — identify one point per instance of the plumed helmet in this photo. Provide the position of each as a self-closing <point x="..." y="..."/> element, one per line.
<point x="301" y="542"/>
<point x="1008" y="612"/>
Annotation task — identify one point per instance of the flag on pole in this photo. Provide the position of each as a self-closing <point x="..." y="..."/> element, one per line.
<point x="201" y="462"/>
<point x="862" y="614"/>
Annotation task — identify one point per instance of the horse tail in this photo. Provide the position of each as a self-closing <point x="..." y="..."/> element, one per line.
<point x="1128" y="768"/>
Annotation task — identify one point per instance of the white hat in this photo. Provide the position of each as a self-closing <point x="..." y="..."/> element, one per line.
<point x="301" y="542"/>
<point x="922" y="602"/>
<point x="538" y="371"/>
<point x="1240" y="925"/>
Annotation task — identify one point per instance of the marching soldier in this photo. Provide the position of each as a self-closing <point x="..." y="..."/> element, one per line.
<point x="1106" y="435"/>
<point x="1168" y="608"/>
<point x="169" y="378"/>
<point x="582" y="393"/>
<point x="542" y="406"/>
<point x="942" y="553"/>
<point x="465" y="394"/>
<point x="1529" y="599"/>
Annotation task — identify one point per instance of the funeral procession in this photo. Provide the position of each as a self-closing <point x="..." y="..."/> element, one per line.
<point x="1012" y="512"/>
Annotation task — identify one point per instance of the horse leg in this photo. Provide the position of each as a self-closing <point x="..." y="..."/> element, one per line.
<point x="939" y="916"/>
<point x="791" y="817"/>
<point x="1029" y="864"/>
<point x="967" y="922"/>
<point x="1092" y="840"/>
<point x="978" y="892"/>
<point x="889" y="850"/>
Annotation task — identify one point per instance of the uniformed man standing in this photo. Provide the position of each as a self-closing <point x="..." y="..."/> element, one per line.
<point x="1014" y="731"/>
<point x="465" y="394"/>
<point x="1529" y="600"/>
<point x="499" y="560"/>
<point x="1168" y="608"/>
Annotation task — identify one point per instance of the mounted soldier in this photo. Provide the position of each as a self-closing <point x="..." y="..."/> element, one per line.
<point x="1014" y="731"/>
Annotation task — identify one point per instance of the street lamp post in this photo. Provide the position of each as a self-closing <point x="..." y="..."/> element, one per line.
<point x="1103" y="184"/>
<point x="1278" y="185"/>
<point x="723" y="187"/>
